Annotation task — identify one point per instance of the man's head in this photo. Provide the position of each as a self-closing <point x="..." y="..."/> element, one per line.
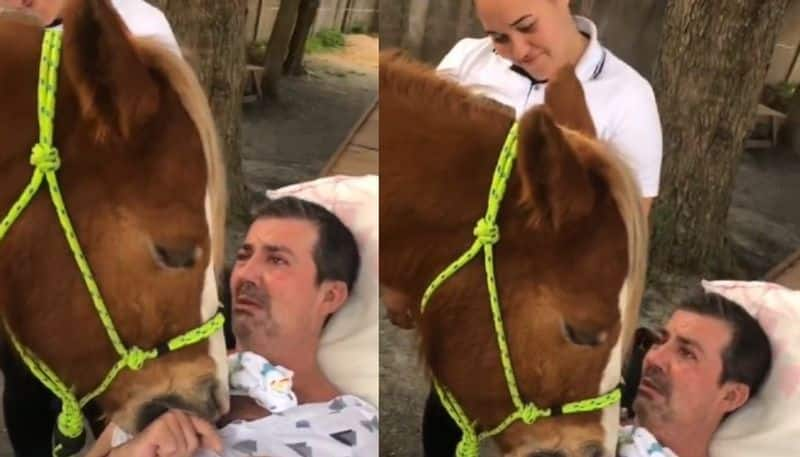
<point x="712" y="357"/>
<point x="295" y="268"/>
<point x="537" y="35"/>
<point x="46" y="10"/>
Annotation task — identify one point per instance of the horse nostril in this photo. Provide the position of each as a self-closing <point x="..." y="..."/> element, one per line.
<point x="176" y="257"/>
<point x="547" y="454"/>
<point x="594" y="450"/>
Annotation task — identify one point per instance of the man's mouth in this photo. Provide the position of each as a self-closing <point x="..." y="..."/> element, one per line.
<point x="650" y="388"/>
<point x="246" y="304"/>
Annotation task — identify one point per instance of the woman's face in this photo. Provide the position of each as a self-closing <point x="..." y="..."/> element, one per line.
<point x="531" y="33"/>
<point x="47" y="10"/>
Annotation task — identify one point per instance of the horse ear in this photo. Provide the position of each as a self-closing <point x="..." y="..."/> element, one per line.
<point x="114" y="86"/>
<point x="556" y="186"/>
<point x="567" y="102"/>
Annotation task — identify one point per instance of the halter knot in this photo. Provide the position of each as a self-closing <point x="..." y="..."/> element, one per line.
<point x="70" y="420"/>
<point x="530" y="413"/>
<point x="469" y="446"/>
<point x="45" y="158"/>
<point x="486" y="232"/>
<point x="136" y="358"/>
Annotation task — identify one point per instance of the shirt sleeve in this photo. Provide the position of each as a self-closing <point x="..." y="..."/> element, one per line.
<point x="638" y="140"/>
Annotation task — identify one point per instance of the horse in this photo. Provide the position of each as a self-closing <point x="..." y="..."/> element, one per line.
<point x="142" y="176"/>
<point x="569" y="256"/>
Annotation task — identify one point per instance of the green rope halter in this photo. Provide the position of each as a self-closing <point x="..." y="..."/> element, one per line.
<point x="486" y="235"/>
<point x="46" y="161"/>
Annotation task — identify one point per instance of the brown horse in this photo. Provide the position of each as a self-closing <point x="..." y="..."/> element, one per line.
<point x="142" y="176"/>
<point x="570" y="261"/>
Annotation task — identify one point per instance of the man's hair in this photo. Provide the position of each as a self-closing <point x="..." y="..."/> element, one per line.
<point x="748" y="357"/>
<point x="335" y="252"/>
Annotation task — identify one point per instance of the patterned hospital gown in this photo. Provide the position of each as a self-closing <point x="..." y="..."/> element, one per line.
<point x="638" y="442"/>
<point x="343" y="427"/>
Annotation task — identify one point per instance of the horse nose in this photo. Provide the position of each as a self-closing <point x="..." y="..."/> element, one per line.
<point x="176" y="256"/>
<point x="547" y="454"/>
<point x="593" y="450"/>
<point x="203" y="404"/>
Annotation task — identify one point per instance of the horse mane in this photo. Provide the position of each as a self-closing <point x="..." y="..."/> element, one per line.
<point x="185" y="83"/>
<point x="625" y="191"/>
<point x="403" y="76"/>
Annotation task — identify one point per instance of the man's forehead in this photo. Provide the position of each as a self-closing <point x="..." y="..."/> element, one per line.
<point x="708" y="331"/>
<point x="290" y="232"/>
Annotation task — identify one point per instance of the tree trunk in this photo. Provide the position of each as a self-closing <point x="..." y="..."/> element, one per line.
<point x="211" y="33"/>
<point x="297" y="47"/>
<point x="710" y="71"/>
<point x="278" y="46"/>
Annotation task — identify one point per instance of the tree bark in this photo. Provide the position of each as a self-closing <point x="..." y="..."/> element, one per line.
<point x="710" y="71"/>
<point x="278" y="47"/>
<point x="297" y="46"/>
<point x="211" y="33"/>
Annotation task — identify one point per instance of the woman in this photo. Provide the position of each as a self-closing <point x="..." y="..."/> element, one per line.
<point x="141" y="18"/>
<point x="527" y="42"/>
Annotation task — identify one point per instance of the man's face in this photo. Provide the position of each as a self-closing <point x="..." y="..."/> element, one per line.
<point x="46" y="10"/>
<point x="680" y="375"/>
<point x="530" y="33"/>
<point x="274" y="288"/>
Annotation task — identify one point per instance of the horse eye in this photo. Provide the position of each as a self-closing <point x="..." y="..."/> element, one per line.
<point x="583" y="338"/>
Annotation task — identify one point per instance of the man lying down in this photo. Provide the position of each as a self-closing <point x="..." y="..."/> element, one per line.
<point x="295" y="269"/>
<point x="710" y="358"/>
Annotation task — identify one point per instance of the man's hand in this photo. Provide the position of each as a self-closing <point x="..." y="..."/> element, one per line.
<point x="174" y="434"/>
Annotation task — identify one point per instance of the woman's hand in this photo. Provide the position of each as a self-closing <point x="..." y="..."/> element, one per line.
<point x="174" y="434"/>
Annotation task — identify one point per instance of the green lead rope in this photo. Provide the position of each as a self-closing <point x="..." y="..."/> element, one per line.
<point x="46" y="162"/>
<point x="487" y="234"/>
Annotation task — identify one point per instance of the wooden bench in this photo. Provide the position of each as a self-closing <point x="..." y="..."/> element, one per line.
<point x="252" y="83"/>
<point x="774" y="118"/>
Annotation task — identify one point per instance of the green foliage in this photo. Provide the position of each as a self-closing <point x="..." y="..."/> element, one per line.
<point x="325" y="40"/>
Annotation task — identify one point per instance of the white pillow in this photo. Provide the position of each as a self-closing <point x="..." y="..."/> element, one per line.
<point x="768" y="424"/>
<point x="349" y="349"/>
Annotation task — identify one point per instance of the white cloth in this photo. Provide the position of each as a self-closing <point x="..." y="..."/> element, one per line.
<point x="343" y="427"/>
<point x="639" y="442"/>
<point x="251" y="375"/>
<point x="146" y="21"/>
<point x="621" y="101"/>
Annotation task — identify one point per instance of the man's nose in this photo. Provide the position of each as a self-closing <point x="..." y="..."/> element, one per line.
<point x="656" y="357"/>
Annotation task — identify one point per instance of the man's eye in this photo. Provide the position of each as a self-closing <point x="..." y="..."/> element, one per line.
<point x="686" y="354"/>
<point x="276" y="260"/>
<point x="242" y="255"/>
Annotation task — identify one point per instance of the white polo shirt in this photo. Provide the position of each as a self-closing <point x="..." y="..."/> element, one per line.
<point x="145" y="20"/>
<point x="621" y="102"/>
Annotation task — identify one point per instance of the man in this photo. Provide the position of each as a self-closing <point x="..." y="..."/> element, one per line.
<point x="710" y="359"/>
<point x="294" y="270"/>
<point x="141" y="18"/>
